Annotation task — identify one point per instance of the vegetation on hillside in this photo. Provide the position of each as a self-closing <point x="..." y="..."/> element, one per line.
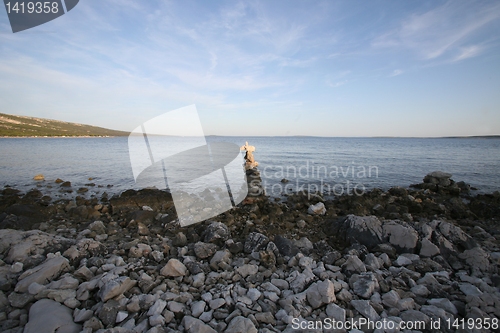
<point x="20" y="126"/>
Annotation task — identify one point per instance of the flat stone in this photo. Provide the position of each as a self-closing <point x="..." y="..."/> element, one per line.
<point x="43" y="273"/>
<point x="47" y="316"/>
<point x="17" y="300"/>
<point x="444" y="304"/>
<point x="470" y="290"/>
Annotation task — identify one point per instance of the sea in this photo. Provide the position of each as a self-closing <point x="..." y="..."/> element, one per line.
<point x="334" y="166"/>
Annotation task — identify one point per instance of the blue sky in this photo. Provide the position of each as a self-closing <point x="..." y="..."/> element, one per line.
<point x="325" y="68"/>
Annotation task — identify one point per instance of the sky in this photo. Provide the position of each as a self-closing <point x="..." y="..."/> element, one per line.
<point x="276" y="68"/>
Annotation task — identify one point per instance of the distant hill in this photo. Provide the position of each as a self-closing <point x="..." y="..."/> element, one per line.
<point x="21" y="126"/>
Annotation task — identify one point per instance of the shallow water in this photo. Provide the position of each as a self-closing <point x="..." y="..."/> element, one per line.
<point x="337" y="165"/>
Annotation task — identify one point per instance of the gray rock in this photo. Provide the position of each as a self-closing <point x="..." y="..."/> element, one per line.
<point x="240" y="324"/>
<point x="365" y="285"/>
<point x="428" y="249"/>
<point x="265" y="317"/>
<point x="17" y="300"/>
<point x="477" y="259"/>
<point x="108" y="312"/>
<point x="280" y="283"/>
<point x="43" y="273"/>
<point x="47" y="316"/>
<point x="285" y="246"/>
<point x="194" y="325"/>
<point x="173" y="268"/>
<point x="401" y="235"/>
<point x="67" y="282"/>
<point x="204" y="250"/>
<point x="255" y="242"/>
<point x="335" y="312"/>
<point x="157" y="308"/>
<point x="402" y="261"/>
<point x="156" y="320"/>
<point x="320" y="293"/>
<point x="221" y="259"/>
<point x="197" y="308"/>
<point x="247" y="269"/>
<point x="391" y="299"/>
<point x="372" y="261"/>
<point x="420" y="290"/>
<point x="444" y="304"/>
<point x="198" y="280"/>
<point x="216" y="232"/>
<point x="433" y="312"/>
<point x="115" y="287"/>
<point x="470" y="290"/>
<point x="353" y="265"/>
<point x="365" y="230"/>
<point x="365" y="309"/>
<point x="415" y="316"/>
<point x="216" y="303"/>
<point x="175" y="307"/>
<point x="406" y="304"/>
<point x="81" y="315"/>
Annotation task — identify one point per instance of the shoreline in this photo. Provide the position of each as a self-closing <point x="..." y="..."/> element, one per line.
<point x="419" y="255"/>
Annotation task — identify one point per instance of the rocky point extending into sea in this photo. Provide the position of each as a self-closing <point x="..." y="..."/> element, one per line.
<point x="414" y="256"/>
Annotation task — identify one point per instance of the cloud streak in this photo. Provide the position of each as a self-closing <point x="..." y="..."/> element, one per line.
<point x="442" y="31"/>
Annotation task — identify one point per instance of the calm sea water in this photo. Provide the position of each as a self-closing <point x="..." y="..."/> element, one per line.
<point x="334" y="165"/>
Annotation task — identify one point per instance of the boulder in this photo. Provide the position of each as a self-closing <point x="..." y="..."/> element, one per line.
<point x="47" y="316"/>
<point x="401" y="235"/>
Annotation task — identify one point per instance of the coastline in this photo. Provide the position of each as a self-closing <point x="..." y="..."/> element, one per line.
<point x="416" y="254"/>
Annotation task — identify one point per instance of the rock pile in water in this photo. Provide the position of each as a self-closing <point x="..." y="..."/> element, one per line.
<point x="126" y="265"/>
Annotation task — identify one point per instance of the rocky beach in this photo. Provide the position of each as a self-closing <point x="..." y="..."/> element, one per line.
<point x="418" y="259"/>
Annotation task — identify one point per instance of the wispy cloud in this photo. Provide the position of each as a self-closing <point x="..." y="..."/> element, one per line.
<point x="442" y="31"/>
<point x="468" y="52"/>
<point x="396" y="72"/>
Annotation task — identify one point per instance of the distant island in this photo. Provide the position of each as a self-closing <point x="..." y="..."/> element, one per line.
<point x="22" y="126"/>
